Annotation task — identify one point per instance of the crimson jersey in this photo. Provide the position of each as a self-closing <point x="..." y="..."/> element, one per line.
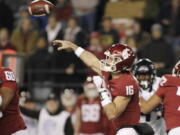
<point x="125" y="85"/>
<point x="11" y="120"/>
<point x="92" y="116"/>
<point x="169" y="91"/>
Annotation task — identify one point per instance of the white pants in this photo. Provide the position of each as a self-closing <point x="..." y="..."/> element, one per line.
<point x="21" y="132"/>
<point x="127" y="131"/>
<point x="174" y="131"/>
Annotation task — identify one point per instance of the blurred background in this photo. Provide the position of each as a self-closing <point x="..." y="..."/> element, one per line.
<point x="150" y="27"/>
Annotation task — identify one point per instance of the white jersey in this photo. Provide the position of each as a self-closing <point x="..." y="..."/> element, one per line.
<point x="31" y="125"/>
<point x="52" y="125"/>
<point x="153" y="119"/>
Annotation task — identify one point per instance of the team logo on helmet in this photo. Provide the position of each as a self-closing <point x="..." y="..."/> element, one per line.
<point x="119" y="58"/>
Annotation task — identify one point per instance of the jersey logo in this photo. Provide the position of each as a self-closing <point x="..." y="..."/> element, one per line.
<point x="9" y="75"/>
<point x="125" y="53"/>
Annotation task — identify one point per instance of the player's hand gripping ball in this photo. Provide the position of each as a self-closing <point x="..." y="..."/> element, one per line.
<point x="40" y="7"/>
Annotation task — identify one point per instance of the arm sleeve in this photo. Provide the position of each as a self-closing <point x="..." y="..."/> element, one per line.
<point x="30" y="113"/>
<point x="69" y="127"/>
<point x="160" y="92"/>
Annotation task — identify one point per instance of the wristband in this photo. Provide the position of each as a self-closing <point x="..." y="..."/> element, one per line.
<point x="105" y="97"/>
<point x="79" y="51"/>
<point x="0" y="100"/>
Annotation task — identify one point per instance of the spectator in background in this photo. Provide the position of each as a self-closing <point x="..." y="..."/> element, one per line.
<point x="109" y="35"/>
<point x="7" y="49"/>
<point x="140" y="36"/>
<point x="5" y="43"/>
<point x="69" y="100"/>
<point x="54" y="29"/>
<point x="170" y="17"/>
<point x="96" y="47"/>
<point x="159" y="51"/>
<point x="151" y="11"/>
<point x="24" y="37"/>
<point x="27" y="102"/>
<point x="85" y="10"/>
<point x="100" y="11"/>
<point x="53" y="120"/>
<point x="131" y="42"/>
<point x="71" y="71"/>
<point x="63" y="10"/>
<point x="74" y="33"/>
<point x="6" y="15"/>
<point x="40" y="63"/>
<point x="22" y="13"/>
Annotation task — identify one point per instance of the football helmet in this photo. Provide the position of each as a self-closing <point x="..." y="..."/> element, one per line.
<point x="90" y="89"/>
<point x="145" y="72"/>
<point x="119" y="58"/>
<point x="176" y="70"/>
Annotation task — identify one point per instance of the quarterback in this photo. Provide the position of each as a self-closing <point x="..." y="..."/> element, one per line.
<point x="11" y="122"/>
<point x="168" y="94"/>
<point x="117" y="87"/>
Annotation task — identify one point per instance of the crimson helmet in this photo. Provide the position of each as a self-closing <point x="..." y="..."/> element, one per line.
<point x="119" y="58"/>
<point x="176" y="69"/>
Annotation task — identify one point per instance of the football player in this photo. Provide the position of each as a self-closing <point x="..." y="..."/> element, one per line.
<point x="89" y="112"/>
<point x="68" y="101"/>
<point x="52" y="119"/>
<point x="11" y="122"/>
<point x="27" y="102"/>
<point x="145" y="72"/>
<point x="117" y="87"/>
<point x="168" y="94"/>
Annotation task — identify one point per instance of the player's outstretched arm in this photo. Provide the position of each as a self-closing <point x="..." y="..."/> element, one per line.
<point x="148" y="106"/>
<point x="88" y="58"/>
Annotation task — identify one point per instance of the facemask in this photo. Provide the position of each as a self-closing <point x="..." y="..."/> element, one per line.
<point x="144" y="84"/>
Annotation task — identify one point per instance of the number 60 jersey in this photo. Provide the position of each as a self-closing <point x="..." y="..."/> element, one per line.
<point x="10" y="120"/>
<point x="125" y="85"/>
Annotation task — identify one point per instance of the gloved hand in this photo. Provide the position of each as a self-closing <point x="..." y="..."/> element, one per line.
<point x="104" y="93"/>
<point x="99" y="82"/>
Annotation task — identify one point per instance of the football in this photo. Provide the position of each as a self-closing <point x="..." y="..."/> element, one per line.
<point x="40" y="7"/>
